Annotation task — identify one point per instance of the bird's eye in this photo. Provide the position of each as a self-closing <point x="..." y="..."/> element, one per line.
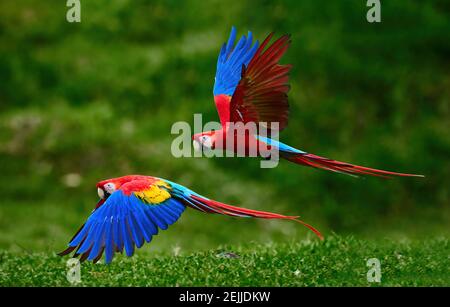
<point x="100" y="193"/>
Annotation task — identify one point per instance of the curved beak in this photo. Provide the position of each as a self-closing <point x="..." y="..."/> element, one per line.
<point x="197" y="145"/>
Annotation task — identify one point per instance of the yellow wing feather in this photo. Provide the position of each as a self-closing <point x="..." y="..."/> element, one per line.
<point x="155" y="193"/>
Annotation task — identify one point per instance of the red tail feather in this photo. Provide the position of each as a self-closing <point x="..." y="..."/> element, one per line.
<point x="342" y="167"/>
<point x="213" y="206"/>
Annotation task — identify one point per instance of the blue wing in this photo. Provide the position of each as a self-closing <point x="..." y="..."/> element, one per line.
<point x="123" y="222"/>
<point x="230" y="61"/>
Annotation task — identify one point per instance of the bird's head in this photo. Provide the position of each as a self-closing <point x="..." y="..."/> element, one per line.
<point x="106" y="187"/>
<point x="204" y="140"/>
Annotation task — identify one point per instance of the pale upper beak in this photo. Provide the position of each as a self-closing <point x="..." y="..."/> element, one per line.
<point x="100" y="193"/>
<point x="197" y="145"/>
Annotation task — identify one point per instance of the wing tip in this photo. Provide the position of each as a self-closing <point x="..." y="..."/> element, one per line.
<point x="66" y="251"/>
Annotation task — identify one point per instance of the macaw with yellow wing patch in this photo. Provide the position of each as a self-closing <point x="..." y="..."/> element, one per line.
<point x="251" y="86"/>
<point x="133" y="208"/>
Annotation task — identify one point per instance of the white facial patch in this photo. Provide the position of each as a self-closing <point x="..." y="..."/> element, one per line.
<point x="110" y="187"/>
<point x="206" y="141"/>
<point x="100" y="193"/>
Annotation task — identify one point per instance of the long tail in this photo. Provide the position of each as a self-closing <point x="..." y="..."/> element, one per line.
<point x="340" y="167"/>
<point x="301" y="157"/>
<point x="212" y="206"/>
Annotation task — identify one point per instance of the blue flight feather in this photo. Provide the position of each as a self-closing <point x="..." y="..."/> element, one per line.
<point x="137" y="238"/>
<point x="123" y="222"/>
<point x="129" y="247"/>
<point x="82" y="234"/>
<point x="156" y="218"/>
<point x="140" y="230"/>
<point x="151" y="220"/>
<point x="136" y="233"/>
<point x="230" y="61"/>
<point x="173" y="216"/>
<point x="117" y="234"/>
<point x="143" y="225"/>
<point x="89" y="239"/>
<point x="99" y="238"/>
<point x="169" y="220"/>
<point x="109" y="248"/>
<point x="174" y="208"/>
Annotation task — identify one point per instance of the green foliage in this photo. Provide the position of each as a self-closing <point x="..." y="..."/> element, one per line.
<point x="97" y="100"/>
<point x="337" y="261"/>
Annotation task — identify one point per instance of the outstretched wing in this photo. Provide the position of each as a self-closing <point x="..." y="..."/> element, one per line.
<point x="261" y="95"/>
<point x="228" y="73"/>
<point x="129" y="216"/>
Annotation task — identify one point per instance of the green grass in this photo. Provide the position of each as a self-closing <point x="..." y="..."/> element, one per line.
<point x="336" y="261"/>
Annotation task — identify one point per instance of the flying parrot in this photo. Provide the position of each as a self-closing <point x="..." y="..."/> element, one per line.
<point x="251" y="86"/>
<point x="133" y="208"/>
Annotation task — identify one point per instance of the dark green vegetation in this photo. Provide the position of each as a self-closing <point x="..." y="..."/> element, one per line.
<point x="98" y="99"/>
<point x="337" y="261"/>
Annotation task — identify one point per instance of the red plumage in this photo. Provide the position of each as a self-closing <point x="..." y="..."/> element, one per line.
<point x="261" y="95"/>
<point x="222" y="102"/>
<point x="342" y="167"/>
<point x="133" y="209"/>
<point x="225" y="209"/>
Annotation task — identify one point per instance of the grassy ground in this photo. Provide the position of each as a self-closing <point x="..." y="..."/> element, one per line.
<point x="337" y="261"/>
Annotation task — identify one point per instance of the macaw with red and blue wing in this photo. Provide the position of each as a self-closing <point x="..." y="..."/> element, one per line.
<point x="132" y="209"/>
<point x="251" y="86"/>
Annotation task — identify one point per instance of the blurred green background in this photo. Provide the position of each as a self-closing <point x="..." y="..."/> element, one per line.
<point x="82" y="102"/>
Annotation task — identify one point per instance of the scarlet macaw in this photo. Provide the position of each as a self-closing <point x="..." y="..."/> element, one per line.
<point x="132" y="208"/>
<point x="251" y="86"/>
